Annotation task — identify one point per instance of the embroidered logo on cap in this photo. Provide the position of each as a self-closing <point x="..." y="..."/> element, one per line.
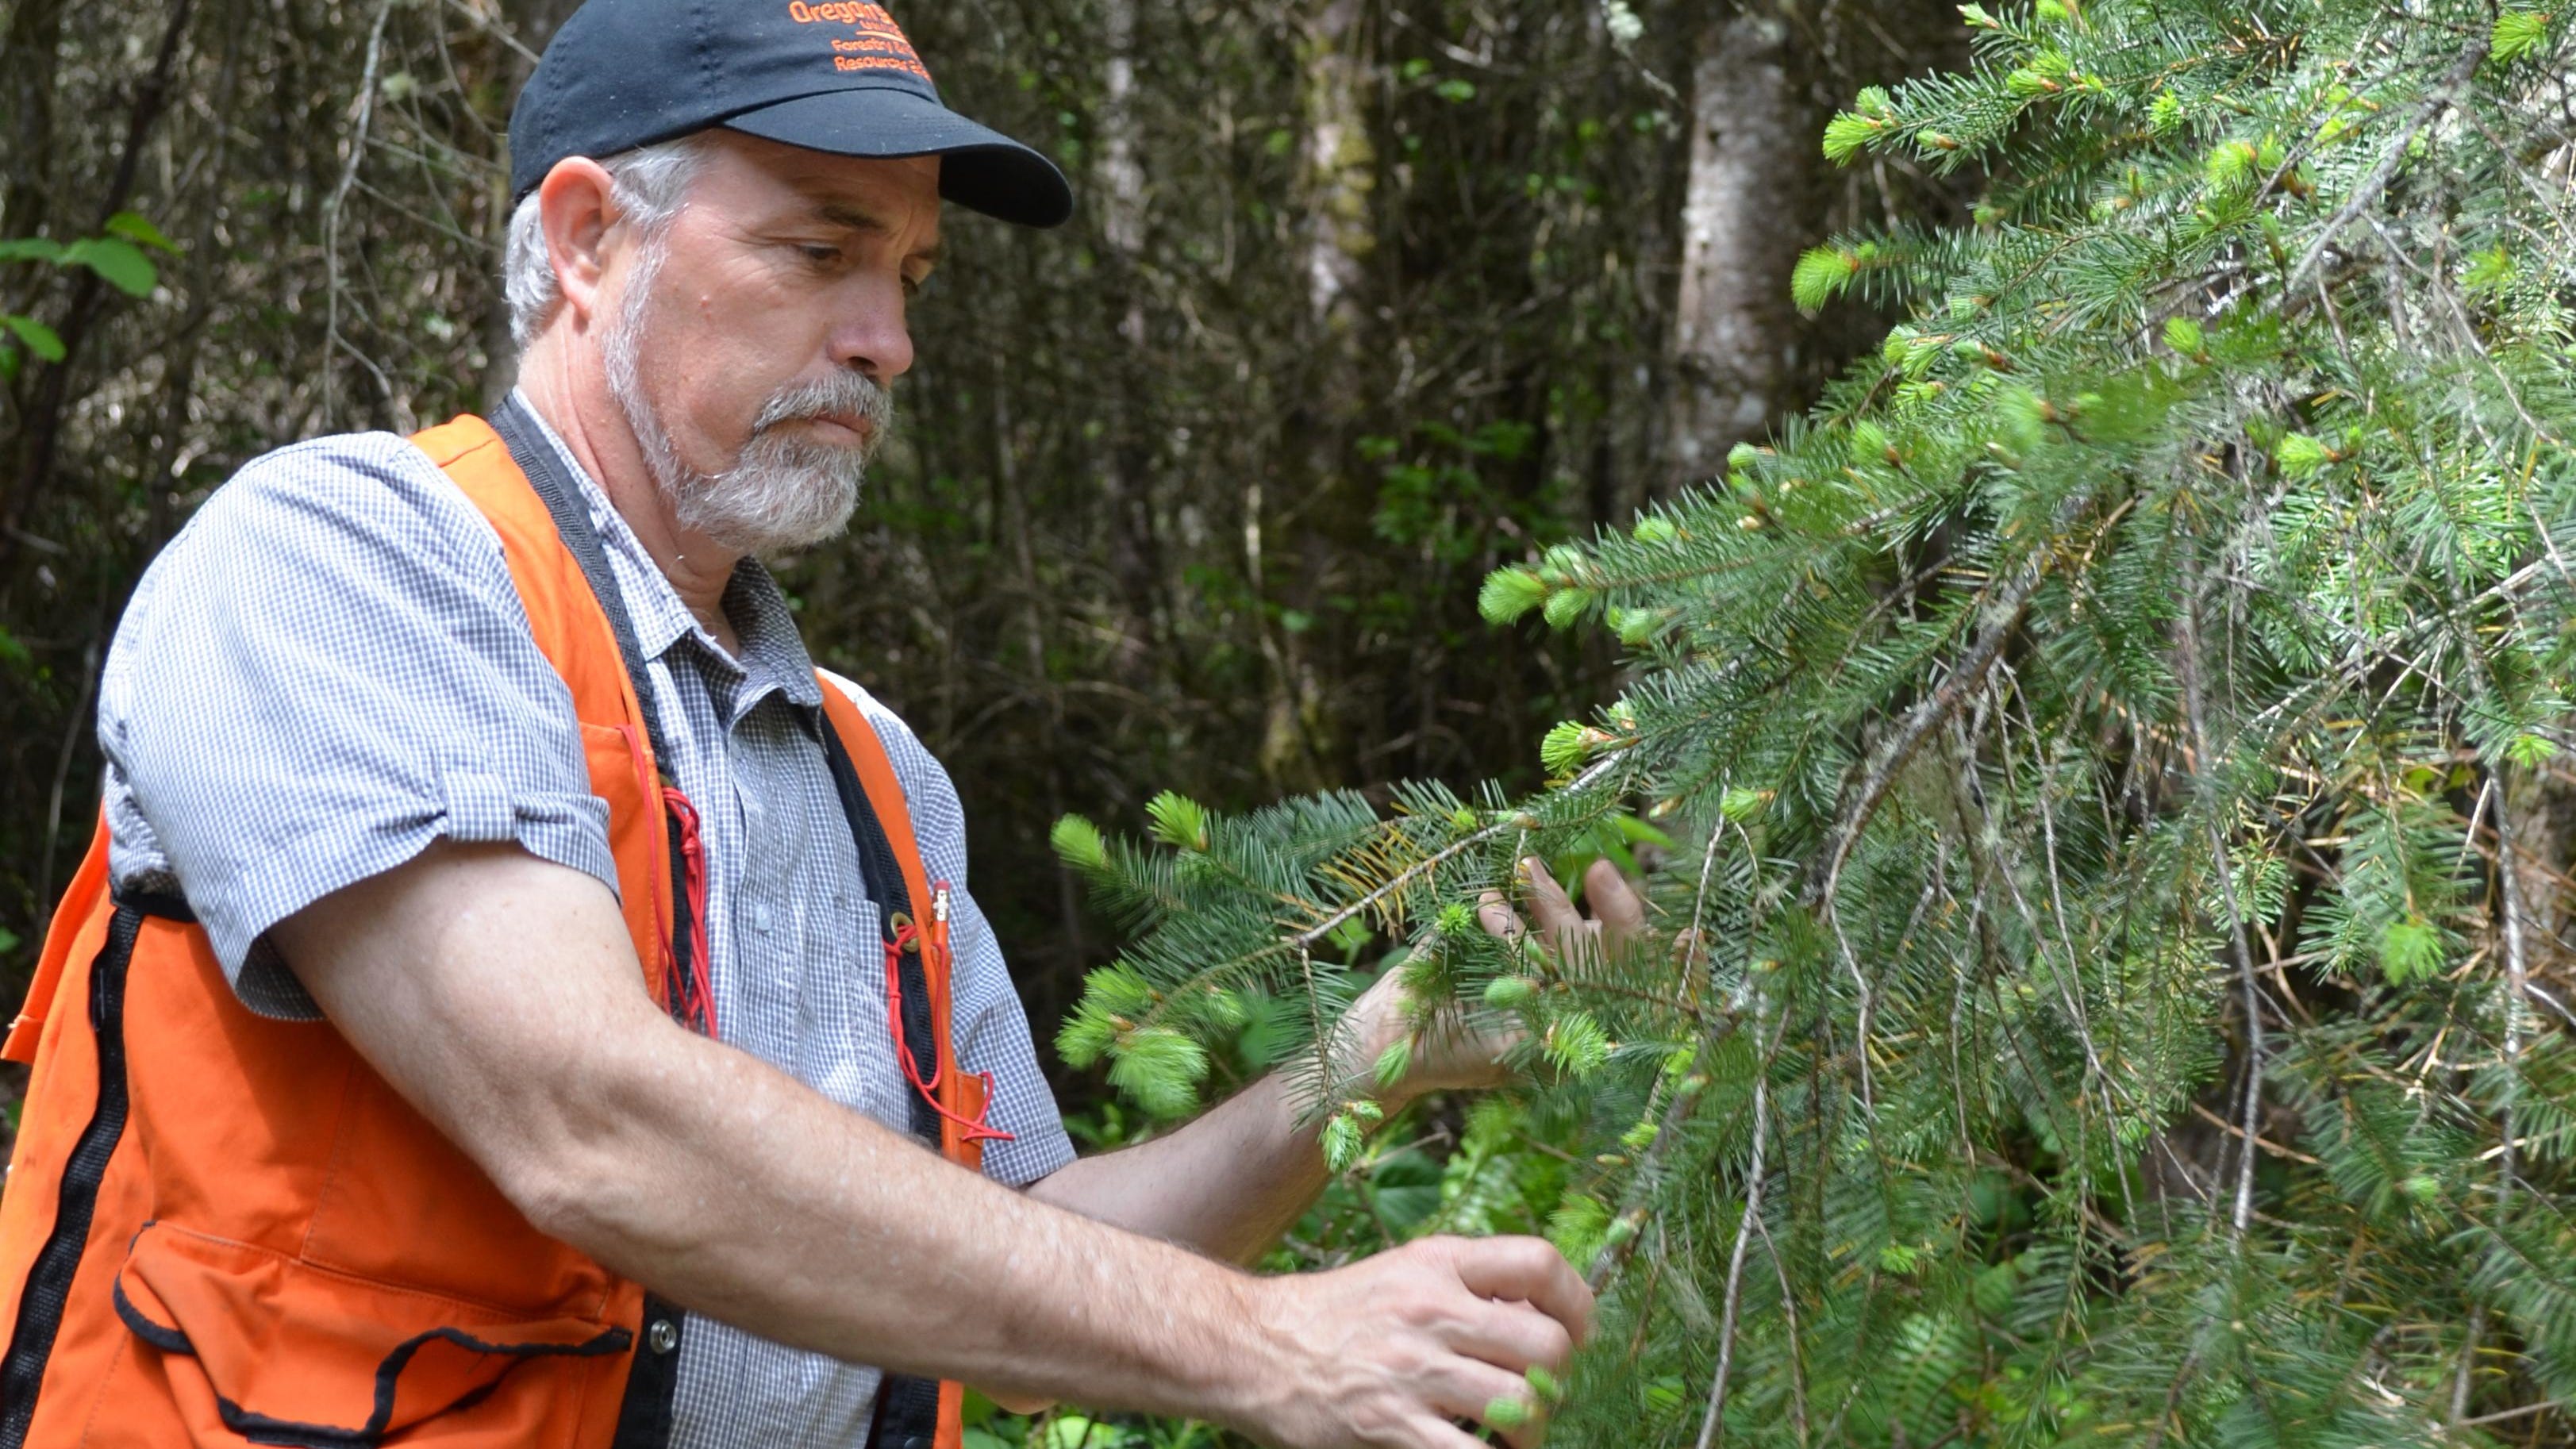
<point x="875" y="42"/>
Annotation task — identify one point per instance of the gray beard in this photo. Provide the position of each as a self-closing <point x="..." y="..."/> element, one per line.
<point x="783" y="492"/>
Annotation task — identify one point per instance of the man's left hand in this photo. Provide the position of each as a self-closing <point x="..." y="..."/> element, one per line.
<point x="1449" y="1055"/>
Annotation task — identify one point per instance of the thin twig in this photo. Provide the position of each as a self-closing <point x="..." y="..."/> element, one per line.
<point x="2517" y="975"/>
<point x="2002" y="615"/>
<point x="338" y="199"/>
<point x="2197" y="714"/>
<point x="2501" y="1415"/>
<point x="1789" y="1321"/>
<point x="2232" y="1130"/>
<point x="1627" y="1229"/>
<point x="2444" y="96"/>
<point x="1708" y="1424"/>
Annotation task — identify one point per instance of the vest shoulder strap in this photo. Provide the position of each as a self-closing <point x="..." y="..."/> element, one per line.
<point x="884" y="798"/>
<point x="572" y="629"/>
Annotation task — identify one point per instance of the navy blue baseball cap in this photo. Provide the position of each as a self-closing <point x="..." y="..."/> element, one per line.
<point x="828" y="75"/>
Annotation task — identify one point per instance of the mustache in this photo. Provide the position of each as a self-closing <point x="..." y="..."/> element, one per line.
<point x="842" y="395"/>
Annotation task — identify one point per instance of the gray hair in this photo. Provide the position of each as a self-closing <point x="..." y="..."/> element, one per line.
<point x="647" y="185"/>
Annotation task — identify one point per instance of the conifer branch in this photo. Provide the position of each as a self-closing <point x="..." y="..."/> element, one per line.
<point x="2517" y="979"/>
<point x="1997" y="620"/>
<point x="2331" y="589"/>
<point x="1430" y="863"/>
<point x="2443" y="96"/>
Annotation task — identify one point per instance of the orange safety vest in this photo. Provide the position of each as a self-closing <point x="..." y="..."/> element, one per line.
<point x="223" y="1229"/>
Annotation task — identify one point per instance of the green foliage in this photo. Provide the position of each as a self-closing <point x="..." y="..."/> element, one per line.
<point x="2083" y="742"/>
<point x="117" y="257"/>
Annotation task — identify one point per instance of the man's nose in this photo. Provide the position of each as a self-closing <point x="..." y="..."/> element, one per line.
<point x="872" y="336"/>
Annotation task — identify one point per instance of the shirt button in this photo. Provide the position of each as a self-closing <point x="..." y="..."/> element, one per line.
<point x="664" y="1335"/>
<point x="760" y="917"/>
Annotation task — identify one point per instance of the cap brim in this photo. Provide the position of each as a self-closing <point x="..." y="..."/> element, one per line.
<point x="979" y="167"/>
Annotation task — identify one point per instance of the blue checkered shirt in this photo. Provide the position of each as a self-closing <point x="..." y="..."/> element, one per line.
<point x="329" y="668"/>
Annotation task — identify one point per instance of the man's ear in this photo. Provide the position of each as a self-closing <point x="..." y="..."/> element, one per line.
<point x="574" y="204"/>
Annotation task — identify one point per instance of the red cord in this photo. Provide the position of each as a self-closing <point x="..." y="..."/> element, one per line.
<point x="973" y="1129"/>
<point x="693" y="867"/>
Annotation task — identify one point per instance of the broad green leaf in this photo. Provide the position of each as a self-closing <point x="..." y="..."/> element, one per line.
<point x="39" y="338"/>
<point x="135" y="227"/>
<point x="118" y="261"/>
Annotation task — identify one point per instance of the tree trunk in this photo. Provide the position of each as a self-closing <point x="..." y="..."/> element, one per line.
<point x="1755" y="198"/>
<point x="1135" y="553"/>
<point x="1338" y="165"/>
<point x="2541" y="803"/>
<point x="1338" y="175"/>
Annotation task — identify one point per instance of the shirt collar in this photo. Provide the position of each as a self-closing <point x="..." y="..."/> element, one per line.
<point x="773" y="653"/>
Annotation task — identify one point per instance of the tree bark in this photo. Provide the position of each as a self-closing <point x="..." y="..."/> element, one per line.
<point x="1338" y="165"/>
<point x="1755" y="198"/>
<point x="1126" y="455"/>
<point x="2542" y="805"/>
<point x="1338" y="173"/>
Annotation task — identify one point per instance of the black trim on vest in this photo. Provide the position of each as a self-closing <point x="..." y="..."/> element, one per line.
<point x="261" y="1429"/>
<point x="907" y="1409"/>
<point x="160" y="1335"/>
<point x="543" y="466"/>
<point x="160" y="905"/>
<point x="883" y="877"/>
<point x="644" y="1421"/>
<point x="49" y="1281"/>
<point x="907" y="1414"/>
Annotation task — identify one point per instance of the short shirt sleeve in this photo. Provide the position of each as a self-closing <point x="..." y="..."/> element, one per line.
<point x="990" y="1024"/>
<point x="328" y="669"/>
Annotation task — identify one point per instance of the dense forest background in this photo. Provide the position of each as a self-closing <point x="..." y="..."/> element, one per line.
<point x="1362" y="300"/>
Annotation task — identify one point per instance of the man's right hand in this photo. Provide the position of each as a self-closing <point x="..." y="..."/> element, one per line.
<point x="1392" y="1351"/>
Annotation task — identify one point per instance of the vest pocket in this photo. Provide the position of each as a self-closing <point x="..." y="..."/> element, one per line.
<point x="295" y="1354"/>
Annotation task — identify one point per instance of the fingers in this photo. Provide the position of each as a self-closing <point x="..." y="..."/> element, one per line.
<point x="1498" y="918"/>
<point x="1432" y="1433"/>
<point x="1615" y="904"/>
<point x="1550" y="907"/>
<point x="1513" y="1336"/>
<point x="1467" y="1389"/>
<point x="1531" y="1270"/>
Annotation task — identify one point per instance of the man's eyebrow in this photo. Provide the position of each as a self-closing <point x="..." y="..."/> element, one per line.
<point x="859" y="218"/>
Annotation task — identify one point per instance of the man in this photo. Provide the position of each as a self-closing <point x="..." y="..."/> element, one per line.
<point x="371" y="963"/>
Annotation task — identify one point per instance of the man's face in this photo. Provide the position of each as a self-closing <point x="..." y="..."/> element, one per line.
<point x="752" y="355"/>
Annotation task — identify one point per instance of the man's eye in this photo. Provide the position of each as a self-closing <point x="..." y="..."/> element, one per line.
<point x="821" y="256"/>
<point x="912" y="285"/>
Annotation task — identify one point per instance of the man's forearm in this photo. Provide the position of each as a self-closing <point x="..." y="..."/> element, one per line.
<point x="1228" y="1184"/>
<point x="834" y="1233"/>
<point x="498" y="993"/>
<point x="727" y="1185"/>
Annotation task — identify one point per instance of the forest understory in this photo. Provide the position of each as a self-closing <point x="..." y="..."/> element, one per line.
<point x="2040" y="533"/>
